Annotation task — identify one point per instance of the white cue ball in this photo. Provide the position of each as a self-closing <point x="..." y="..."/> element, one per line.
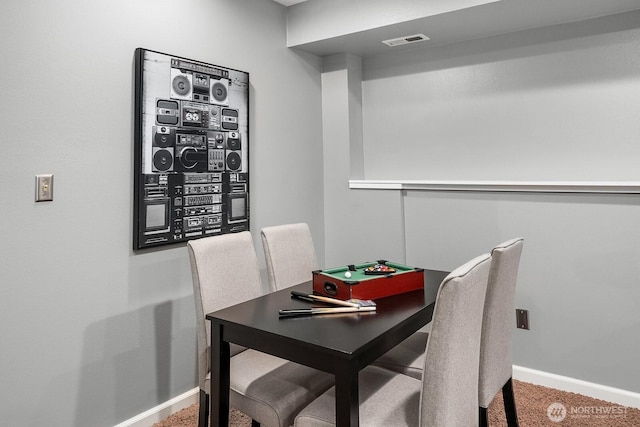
<point x="347" y="274"/>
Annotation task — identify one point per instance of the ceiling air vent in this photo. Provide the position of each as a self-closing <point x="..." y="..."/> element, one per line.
<point x="405" y="40"/>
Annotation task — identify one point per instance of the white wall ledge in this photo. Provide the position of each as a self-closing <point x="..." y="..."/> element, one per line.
<point x="606" y="187"/>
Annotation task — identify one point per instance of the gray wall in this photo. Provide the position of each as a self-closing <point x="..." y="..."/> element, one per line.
<point x="359" y="225"/>
<point x="93" y="333"/>
<point x="578" y="276"/>
<point x="556" y="103"/>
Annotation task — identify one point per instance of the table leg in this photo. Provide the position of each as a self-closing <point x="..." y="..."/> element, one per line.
<point x="219" y="378"/>
<point x="347" y="399"/>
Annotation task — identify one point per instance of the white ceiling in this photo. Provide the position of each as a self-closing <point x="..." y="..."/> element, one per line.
<point x="288" y="2"/>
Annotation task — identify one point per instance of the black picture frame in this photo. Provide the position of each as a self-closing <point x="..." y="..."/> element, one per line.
<point x="191" y="150"/>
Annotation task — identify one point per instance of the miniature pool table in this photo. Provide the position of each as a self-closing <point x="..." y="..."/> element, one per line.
<point x="370" y="280"/>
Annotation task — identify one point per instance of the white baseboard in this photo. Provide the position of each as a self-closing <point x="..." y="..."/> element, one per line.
<point x="162" y="411"/>
<point x="597" y="391"/>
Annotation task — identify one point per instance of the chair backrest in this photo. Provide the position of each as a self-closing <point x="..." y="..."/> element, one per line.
<point x="289" y="254"/>
<point x="225" y="272"/>
<point x="450" y="379"/>
<point x="498" y="320"/>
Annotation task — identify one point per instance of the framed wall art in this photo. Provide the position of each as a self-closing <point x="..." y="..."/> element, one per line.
<point x="191" y="154"/>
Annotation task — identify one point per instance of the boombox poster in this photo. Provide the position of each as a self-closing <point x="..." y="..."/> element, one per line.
<point x="191" y="150"/>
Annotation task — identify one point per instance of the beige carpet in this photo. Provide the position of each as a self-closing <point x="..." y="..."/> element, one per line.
<point x="532" y="402"/>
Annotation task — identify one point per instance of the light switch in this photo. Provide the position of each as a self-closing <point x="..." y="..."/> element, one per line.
<point x="44" y="188"/>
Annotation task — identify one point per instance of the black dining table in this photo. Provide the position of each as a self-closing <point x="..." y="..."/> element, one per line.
<point x="341" y="344"/>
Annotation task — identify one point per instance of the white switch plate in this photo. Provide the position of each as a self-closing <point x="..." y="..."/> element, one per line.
<point x="44" y="188"/>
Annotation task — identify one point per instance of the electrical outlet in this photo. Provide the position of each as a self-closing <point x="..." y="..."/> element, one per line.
<point x="44" y="188"/>
<point x="522" y="318"/>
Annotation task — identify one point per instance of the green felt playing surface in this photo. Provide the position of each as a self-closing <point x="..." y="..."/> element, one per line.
<point x="359" y="275"/>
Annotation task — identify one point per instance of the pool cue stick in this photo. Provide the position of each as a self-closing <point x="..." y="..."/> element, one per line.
<point x="326" y="310"/>
<point x="311" y="297"/>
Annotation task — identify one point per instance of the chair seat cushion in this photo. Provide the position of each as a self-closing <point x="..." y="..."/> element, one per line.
<point x="273" y="390"/>
<point x="386" y="399"/>
<point x="407" y="357"/>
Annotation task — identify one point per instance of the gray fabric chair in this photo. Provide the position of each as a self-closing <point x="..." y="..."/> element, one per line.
<point x="497" y="330"/>
<point x="289" y="254"/>
<point x="268" y="389"/>
<point x="496" y="368"/>
<point x="407" y="357"/>
<point x="447" y="395"/>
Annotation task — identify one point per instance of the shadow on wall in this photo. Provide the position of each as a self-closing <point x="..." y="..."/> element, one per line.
<point x="135" y="361"/>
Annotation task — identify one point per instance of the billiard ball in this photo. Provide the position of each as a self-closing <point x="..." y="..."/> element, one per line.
<point x="347" y="274"/>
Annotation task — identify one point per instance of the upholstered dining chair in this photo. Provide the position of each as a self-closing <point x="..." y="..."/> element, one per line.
<point x="289" y="254"/>
<point x="496" y="368"/>
<point x="447" y="394"/>
<point x="268" y="389"/>
<point x="497" y="329"/>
